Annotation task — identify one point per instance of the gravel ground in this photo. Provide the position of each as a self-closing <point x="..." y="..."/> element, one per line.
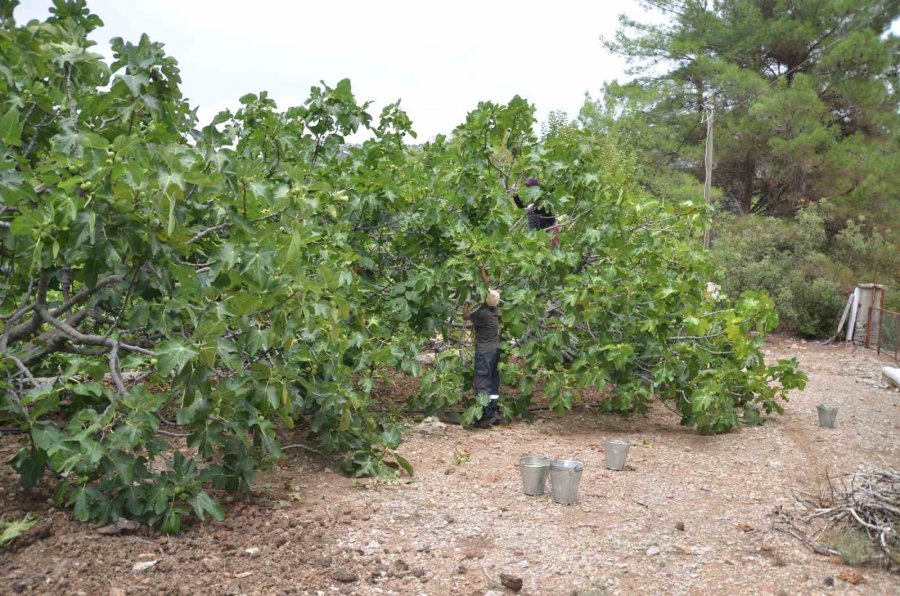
<point x="688" y="515"/>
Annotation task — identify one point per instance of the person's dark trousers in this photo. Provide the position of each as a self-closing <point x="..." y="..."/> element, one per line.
<point x="487" y="377"/>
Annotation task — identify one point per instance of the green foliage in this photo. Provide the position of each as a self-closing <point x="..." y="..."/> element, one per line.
<point x="258" y="273"/>
<point x="807" y="269"/>
<point x="854" y="546"/>
<point x="816" y="304"/>
<point x="461" y="456"/>
<point x="10" y="530"/>
<point x="805" y="96"/>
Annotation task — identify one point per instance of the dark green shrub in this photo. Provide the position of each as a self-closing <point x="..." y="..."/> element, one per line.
<point x="816" y="306"/>
<point x="806" y="264"/>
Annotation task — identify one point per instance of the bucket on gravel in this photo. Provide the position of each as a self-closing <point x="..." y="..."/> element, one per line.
<point x="534" y="474"/>
<point x="827" y="416"/>
<point x="565" y="476"/>
<point x="616" y="453"/>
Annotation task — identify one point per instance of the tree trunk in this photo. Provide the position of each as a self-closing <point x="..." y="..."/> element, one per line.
<point x="748" y="176"/>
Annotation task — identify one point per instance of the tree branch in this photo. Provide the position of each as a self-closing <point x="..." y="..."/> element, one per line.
<point x="24" y="369"/>
<point x="94" y="340"/>
<point x="114" y="368"/>
<point x="31" y="327"/>
<point x="85" y="294"/>
<point x="229" y="224"/>
<point x="208" y="231"/>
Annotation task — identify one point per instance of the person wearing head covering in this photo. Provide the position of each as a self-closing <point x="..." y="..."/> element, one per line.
<point x="486" y="322"/>
<point x="539" y="218"/>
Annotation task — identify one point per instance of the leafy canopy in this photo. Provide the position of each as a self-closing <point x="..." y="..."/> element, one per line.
<point x="256" y="273"/>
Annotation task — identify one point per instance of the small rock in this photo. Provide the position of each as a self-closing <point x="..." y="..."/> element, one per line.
<point x="211" y="564"/>
<point x="449" y="519"/>
<point x="462" y="570"/>
<point x="679" y="526"/>
<point x="511" y="581"/>
<point x="419" y="572"/>
<point x="829" y="581"/>
<point x="345" y="577"/>
<point x="425" y="358"/>
<point x="144" y="565"/>
<point x="252" y="551"/>
<point x="431" y="426"/>
<point x="652" y="551"/>
<point x="120" y="526"/>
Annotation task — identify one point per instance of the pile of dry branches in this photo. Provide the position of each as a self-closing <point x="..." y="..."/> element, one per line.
<point x="866" y="502"/>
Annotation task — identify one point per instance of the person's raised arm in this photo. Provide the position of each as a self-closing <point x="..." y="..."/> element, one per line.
<point x="518" y="201"/>
<point x="485" y="278"/>
<point x="465" y="312"/>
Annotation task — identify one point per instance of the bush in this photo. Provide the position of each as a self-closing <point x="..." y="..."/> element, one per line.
<point x="816" y="306"/>
<point x="808" y="264"/>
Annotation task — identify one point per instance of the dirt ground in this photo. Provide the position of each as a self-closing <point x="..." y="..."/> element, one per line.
<point x="463" y="520"/>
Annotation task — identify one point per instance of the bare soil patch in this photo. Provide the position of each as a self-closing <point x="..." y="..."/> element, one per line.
<point x="688" y="515"/>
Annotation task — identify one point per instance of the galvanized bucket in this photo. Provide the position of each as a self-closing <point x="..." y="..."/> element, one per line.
<point x="616" y="454"/>
<point x="565" y="476"/>
<point x="826" y="416"/>
<point x="534" y="474"/>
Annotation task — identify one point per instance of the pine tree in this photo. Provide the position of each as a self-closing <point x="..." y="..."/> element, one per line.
<point x="805" y="94"/>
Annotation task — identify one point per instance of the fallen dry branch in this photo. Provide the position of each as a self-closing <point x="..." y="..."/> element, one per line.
<point x="865" y="502"/>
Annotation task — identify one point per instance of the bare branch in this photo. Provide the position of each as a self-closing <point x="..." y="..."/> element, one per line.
<point x="24" y="369"/>
<point x="13" y="333"/>
<point x="70" y="349"/>
<point x="208" y="231"/>
<point x="302" y="446"/>
<point x="229" y="224"/>
<point x="86" y="338"/>
<point x="85" y="294"/>
<point x="114" y="369"/>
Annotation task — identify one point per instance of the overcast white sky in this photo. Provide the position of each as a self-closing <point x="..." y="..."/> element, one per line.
<point x="440" y="59"/>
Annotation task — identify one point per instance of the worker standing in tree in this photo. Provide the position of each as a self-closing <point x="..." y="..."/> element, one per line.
<point x="486" y="322"/>
<point x="539" y="218"/>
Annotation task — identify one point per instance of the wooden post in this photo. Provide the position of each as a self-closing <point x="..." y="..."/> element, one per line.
<point x="709" y="114"/>
<point x="869" y="328"/>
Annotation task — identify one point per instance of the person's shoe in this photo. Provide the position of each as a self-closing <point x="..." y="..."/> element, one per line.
<point x="488" y="420"/>
<point x="488" y="416"/>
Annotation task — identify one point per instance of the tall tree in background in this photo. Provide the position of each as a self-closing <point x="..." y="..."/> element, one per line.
<point x="805" y="92"/>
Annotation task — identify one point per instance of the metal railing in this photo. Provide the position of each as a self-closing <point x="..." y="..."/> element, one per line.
<point x="883" y="331"/>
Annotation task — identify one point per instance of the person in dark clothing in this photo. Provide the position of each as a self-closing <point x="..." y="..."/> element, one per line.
<point x="486" y="322"/>
<point x="539" y="218"/>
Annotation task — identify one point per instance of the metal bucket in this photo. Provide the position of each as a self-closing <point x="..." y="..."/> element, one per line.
<point x="534" y="474"/>
<point x="826" y="416"/>
<point x="616" y="454"/>
<point x="565" y="476"/>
